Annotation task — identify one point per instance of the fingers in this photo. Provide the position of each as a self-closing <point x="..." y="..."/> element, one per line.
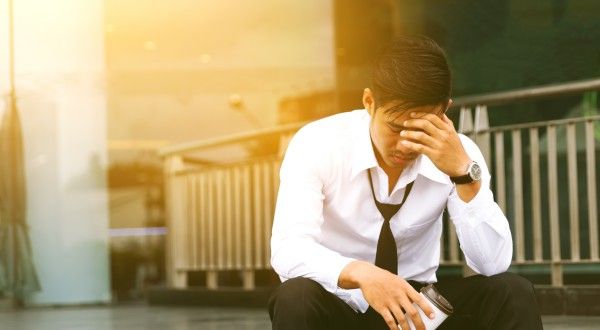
<point x="396" y="301"/>
<point x="399" y="311"/>
<point x="414" y="315"/>
<point x="413" y="297"/>
<point x="420" y="148"/>
<point x="422" y="303"/>
<point x="389" y="319"/>
<point x="419" y="137"/>
<point x="448" y="122"/>
<point x="400" y="318"/>
<point x="428" y="122"/>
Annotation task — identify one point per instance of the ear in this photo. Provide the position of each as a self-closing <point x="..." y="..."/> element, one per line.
<point x="444" y="107"/>
<point x="368" y="101"/>
<point x="448" y="105"/>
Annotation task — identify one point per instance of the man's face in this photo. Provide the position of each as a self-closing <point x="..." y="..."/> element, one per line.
<point x="385" y="134"/>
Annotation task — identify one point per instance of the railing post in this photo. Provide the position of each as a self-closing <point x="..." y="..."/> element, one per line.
<point x="212" y="276"/>
<point x="556" y="266"/>
<point x="590" y="157"/>
<point x="465" y="121"/>
<point x="499" y="170"/>
<point x="248" y="266"/>
<point x="573" y="192"/>
<point x="536" y="194"/>
<point x="517" y="196"/>
<point x="483" y="140"/>
<point x="175" y="210"/>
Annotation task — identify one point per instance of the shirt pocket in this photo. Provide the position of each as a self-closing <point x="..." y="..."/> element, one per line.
<point x="417" y="229"/>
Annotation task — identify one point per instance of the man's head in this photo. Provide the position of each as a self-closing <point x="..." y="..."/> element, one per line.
<point x="411" y="74"/>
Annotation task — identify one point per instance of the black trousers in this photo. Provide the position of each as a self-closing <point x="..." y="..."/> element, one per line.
<point x="503" y="301"/>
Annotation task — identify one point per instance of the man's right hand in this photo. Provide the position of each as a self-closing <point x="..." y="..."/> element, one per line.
<point x="386" y="293"/>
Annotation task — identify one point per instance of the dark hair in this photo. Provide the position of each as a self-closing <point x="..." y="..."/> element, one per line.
<point x="413" y="71"/>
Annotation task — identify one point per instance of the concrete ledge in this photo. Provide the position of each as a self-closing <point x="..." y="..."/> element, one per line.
<point x="223" y="297"/>
<point x="570" y="300"/>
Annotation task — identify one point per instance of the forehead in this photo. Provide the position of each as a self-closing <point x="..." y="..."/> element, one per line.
<point x="399" y="116"/>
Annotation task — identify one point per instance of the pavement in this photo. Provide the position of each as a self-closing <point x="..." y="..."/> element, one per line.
<point x="144" y="317"/>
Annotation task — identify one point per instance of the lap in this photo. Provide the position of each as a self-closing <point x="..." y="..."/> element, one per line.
<point x="471" y="298"/>
<point x="475" y="296"/>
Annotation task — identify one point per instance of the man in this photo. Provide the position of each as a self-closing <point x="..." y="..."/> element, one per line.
<point x="359" y="212"/>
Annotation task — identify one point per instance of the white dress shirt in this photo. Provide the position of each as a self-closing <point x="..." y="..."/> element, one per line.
<point x="325" y="216"/>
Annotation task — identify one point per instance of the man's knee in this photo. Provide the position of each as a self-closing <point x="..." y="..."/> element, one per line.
<point x="519" y="308"/>
<point x="295" y="297"/>
<point x="512" y="285"/>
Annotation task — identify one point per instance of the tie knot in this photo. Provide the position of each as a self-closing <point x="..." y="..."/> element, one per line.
<point x="387" y="210"/>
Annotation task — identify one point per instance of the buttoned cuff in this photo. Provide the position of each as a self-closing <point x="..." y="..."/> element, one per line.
<point x="331" y="272"/>
<point x="354" y="298"/>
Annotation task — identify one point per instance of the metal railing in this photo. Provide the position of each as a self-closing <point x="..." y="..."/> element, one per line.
<point x="220" y="215"/>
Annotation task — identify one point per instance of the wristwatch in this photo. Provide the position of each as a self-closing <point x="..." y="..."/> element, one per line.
<point x="473" y="174"/>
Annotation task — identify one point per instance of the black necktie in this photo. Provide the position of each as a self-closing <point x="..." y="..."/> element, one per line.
<point x="387" y="251"/>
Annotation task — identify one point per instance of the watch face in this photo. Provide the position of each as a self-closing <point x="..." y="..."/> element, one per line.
<point x="475" y="172"/>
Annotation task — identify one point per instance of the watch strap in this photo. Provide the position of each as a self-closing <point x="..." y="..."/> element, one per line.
<point x="461" y="179"/>
<point x="467" y="178"/>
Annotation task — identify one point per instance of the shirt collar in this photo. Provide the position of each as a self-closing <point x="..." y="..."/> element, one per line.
<point x="429" y="170"/>
<point x="363" y="156"/>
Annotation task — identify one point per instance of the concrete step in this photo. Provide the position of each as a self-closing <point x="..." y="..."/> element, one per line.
<point x="222" y="297"/>
<point x="569" y="300"/>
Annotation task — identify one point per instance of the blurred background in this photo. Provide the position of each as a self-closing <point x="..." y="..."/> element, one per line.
<point x="151" y="132"/>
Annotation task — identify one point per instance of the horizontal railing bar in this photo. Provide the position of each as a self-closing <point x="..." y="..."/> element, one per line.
<point x="194" y="146"/>
<point x="538" y="124"/>
<point x="528" y="93"/>
<point x="452" y="263"/>
<point x="196" y="161"/>
<point x="561" y="262"/>
<point x="226" y="166"/>
<point x="530" y="262"/>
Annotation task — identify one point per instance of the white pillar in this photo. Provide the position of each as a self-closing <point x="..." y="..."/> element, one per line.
<point x="59" y="60"/>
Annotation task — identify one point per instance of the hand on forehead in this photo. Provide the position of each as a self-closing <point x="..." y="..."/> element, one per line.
<point x="399" y="117"/>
